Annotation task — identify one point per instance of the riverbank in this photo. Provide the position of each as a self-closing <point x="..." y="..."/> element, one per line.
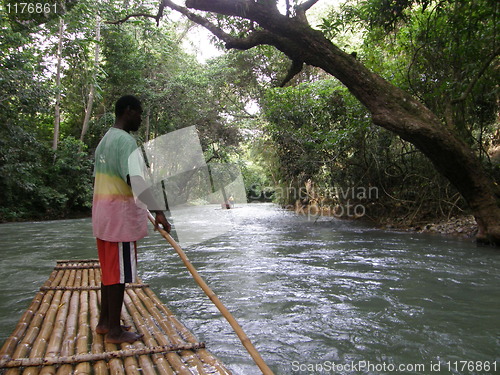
<point x="462" y="226"/>
<point x="59" y="216"/>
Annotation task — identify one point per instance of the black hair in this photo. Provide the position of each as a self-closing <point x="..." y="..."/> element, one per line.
<point x="124" y="102"/>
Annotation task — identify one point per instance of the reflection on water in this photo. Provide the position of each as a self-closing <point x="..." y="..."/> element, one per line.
<point x="304" y="292"/>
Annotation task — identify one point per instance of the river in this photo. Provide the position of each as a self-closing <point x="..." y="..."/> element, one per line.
<point x="313" y="296"/>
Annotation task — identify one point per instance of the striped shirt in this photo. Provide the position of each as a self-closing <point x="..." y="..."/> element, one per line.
<point x="115" y="215"/>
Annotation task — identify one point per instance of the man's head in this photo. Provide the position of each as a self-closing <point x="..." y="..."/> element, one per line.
<point x="128" y="111"/>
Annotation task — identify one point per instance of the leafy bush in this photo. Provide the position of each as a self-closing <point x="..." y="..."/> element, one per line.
<point x="36" y="183"/>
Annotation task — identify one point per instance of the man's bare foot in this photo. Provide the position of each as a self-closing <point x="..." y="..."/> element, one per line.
<point x="102" y="330"/>
<point x="123" y="337"/>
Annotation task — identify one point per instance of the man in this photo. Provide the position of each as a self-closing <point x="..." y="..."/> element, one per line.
<point x="117" y="221"/>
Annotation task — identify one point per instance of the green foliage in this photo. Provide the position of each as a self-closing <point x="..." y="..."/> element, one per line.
<point x="71" y="175"/>
<point x="320" y="136"/>
<point x="137" y="57"/>
<point x="36" y="183"/>
<point x="441" y="51"/>
<point x="312" y="124"/>
<point x="24" y="87"/>
<point x="313" y="130"/>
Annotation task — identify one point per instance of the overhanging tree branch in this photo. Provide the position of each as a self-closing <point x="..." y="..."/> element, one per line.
<point x="218" y="32"/>
<point x="301" y="9"/>
<point x="305" y="6"/>
<point x="239" y="8"/>
<point x="295" y="69"/>
<point x="264" y="13"/>
<point x="255" y="38"/>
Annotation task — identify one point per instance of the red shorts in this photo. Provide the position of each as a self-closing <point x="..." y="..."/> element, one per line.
<point x="118" y="262"/>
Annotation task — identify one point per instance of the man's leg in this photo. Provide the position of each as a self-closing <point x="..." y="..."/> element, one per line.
<point x="116" y="333"/>
<point x="103" y="324"/>
<point x="113" y="261"/>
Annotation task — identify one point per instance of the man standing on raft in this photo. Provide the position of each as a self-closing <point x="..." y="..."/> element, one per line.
<point x="117" y="221"/>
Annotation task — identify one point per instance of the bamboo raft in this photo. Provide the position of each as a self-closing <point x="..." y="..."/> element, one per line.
<point x="56" y="333"/>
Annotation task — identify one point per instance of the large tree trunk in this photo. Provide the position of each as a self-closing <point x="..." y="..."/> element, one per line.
<point x="391" y="107"/>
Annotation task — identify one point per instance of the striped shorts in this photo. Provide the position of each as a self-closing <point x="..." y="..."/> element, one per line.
<point x="118" y="262"/>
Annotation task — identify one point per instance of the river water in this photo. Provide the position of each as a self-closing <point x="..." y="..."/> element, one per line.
<point x="312" y="295"/>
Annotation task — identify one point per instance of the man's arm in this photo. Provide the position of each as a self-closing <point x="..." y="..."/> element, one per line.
<point x="145" y="195"/>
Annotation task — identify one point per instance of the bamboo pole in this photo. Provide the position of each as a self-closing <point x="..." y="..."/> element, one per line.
<point x="160" y="361"/>
<point x="82" y="346"/>
<point x="217" y="302"/>
<point x="154" y="334"/>
<point x="115" y="365"/>
<point x="40" y="344"/>
<point x="64" y="261"/>
<point x="130" y="364"/>
<point x="100" y="367"/>
<point x="77" y="267"/>
<point x="164" y="311"/>
<point x="163" y="323"/>
<point x="56" y="338"/>
<point x="90" y="287"/>
<point x="24" y="322"/>
<point x="147" y="363"/>
<point x="193" y="358"/>
<point x="69" y="339"/>
<point x="89" y="357"/>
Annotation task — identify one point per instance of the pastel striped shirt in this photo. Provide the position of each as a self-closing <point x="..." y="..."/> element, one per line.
<point x="115" y="215"/>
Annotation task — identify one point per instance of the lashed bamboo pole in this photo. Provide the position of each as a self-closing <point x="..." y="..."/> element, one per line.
<point x="161" y="310"/>
<point x="35" y="322"/>
<point x="72" y="261"/>
<point x="147" y="363"/>
<point x="173" y="358"/>
<point x="89" y="287"/>
<point x="56" y="340"/>
<point x="10" y="344"/>
<point x="115" y="365"/>
<point x="82" y="346"/>
<point x="75" y="267"/>
<point x="69" y="339"/>
<point x="164" y="320"/>
<point x="217" y="302"/>
<point x="100" y="367"/>
<point x="161" y="363"/>
<point x="130" y="364"/>
<point x="40" y="344"/>
<point x="89" y="357"/>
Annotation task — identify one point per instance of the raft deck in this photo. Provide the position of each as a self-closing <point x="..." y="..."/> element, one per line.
<point x="56" y="334"/>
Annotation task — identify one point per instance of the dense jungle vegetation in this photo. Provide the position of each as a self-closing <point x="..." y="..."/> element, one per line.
<point x="61" y="73"/>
